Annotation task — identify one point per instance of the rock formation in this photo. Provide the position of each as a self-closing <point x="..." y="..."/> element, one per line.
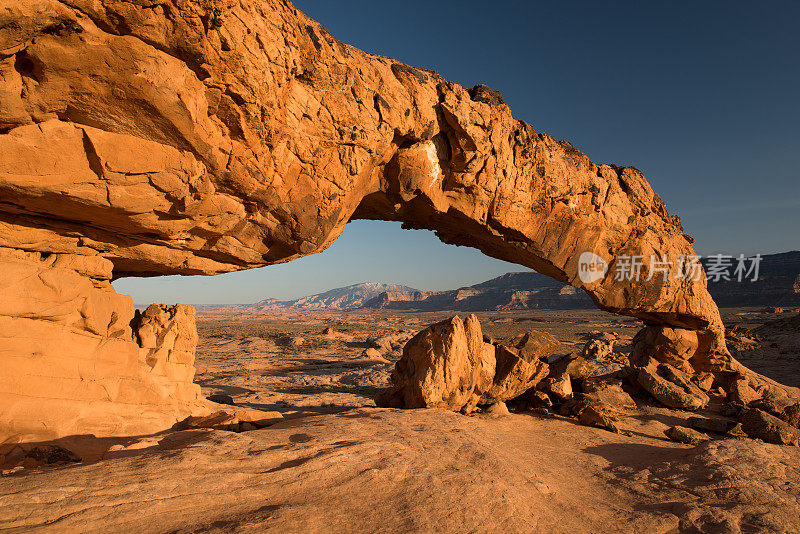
<point x="78" y="360"/>
<point x="190" y="137"/>
<point x="449" y="365"/>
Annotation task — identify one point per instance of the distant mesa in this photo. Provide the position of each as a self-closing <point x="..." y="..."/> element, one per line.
<point x="342" y="298"/>
<point x="778" y="285"/>
<point x="512" y="291"/>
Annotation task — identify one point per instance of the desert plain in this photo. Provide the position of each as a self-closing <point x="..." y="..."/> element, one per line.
<point x="336" y="462"/>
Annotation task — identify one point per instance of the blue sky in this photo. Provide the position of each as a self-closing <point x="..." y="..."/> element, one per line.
<point x="702" y="97"/>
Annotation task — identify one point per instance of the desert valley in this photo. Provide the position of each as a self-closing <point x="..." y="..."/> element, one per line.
<point x="297" y="442"/>
<point x="612" y="380"/>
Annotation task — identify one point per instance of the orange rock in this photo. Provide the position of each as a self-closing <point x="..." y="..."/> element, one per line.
<point x="220" y="136"/>
<point x="71" y="362"/>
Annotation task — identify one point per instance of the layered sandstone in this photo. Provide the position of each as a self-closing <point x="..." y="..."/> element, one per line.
<point x="77" y="359"/>
<point x="190" y="137"/>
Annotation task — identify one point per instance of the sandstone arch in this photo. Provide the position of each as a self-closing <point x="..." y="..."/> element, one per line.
<point x="200" y="137"/>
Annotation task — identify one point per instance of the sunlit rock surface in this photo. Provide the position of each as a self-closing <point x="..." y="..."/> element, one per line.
<point x="204" y="137"/>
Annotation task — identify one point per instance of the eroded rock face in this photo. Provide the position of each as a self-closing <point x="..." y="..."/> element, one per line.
<point x="71" y="361"/>
<point x="203" y="137"/>
<point x="449" y="365"/>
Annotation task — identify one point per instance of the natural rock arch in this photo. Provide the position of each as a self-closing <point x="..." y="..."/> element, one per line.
<point x="189" y="137"/>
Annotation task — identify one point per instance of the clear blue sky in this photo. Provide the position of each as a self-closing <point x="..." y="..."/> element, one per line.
<point x="702" y="96"/>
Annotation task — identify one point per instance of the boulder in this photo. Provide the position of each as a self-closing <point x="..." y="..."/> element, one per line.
<point x="672" y="388"/>
<point x="234" y="420"/>
<point x="599" y="346"/>
<point x="498" y="408"/>
<point x="761" y="425"/>
<point x="521" y="366"/>
<point x="686" y="435"/>
<point x="559" y="389"/>
<point x="220" y="419"/>
<point x="791" y="414"/>
<point x="607" y="390"/>
<point x="447" y="365"/>
<point x="703" y="380"/>
<point x="533" y="345"/>
<point x="673" y="346"/>
<point x="784" y="409"/>
<point x="571" y="365"/>
<point x="740" y="392"/>
<point x="597" y="415"/>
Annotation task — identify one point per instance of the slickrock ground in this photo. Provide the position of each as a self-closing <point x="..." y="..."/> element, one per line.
<point x="385" y="470"/>
<point x="339" y="464"/>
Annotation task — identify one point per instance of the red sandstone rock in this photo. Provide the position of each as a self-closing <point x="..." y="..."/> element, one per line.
<point x="447" y="365"/>
<point x="71" y="362"/>
<point x="216" y="136"/>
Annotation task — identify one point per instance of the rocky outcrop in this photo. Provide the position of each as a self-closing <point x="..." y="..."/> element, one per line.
<point x="204" y="137"/>
<point x="449" y="365"/>
<point x="77" y="359"/>
<point x="217" y="136"/>
<point x="672" y="387"/>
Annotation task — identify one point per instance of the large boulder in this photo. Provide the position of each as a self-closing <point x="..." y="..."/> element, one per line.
<point x="672" y="387"/>
<point x="677" y="347"/>
<point x="447" y="365"/>
<point x="761" y="425"/>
